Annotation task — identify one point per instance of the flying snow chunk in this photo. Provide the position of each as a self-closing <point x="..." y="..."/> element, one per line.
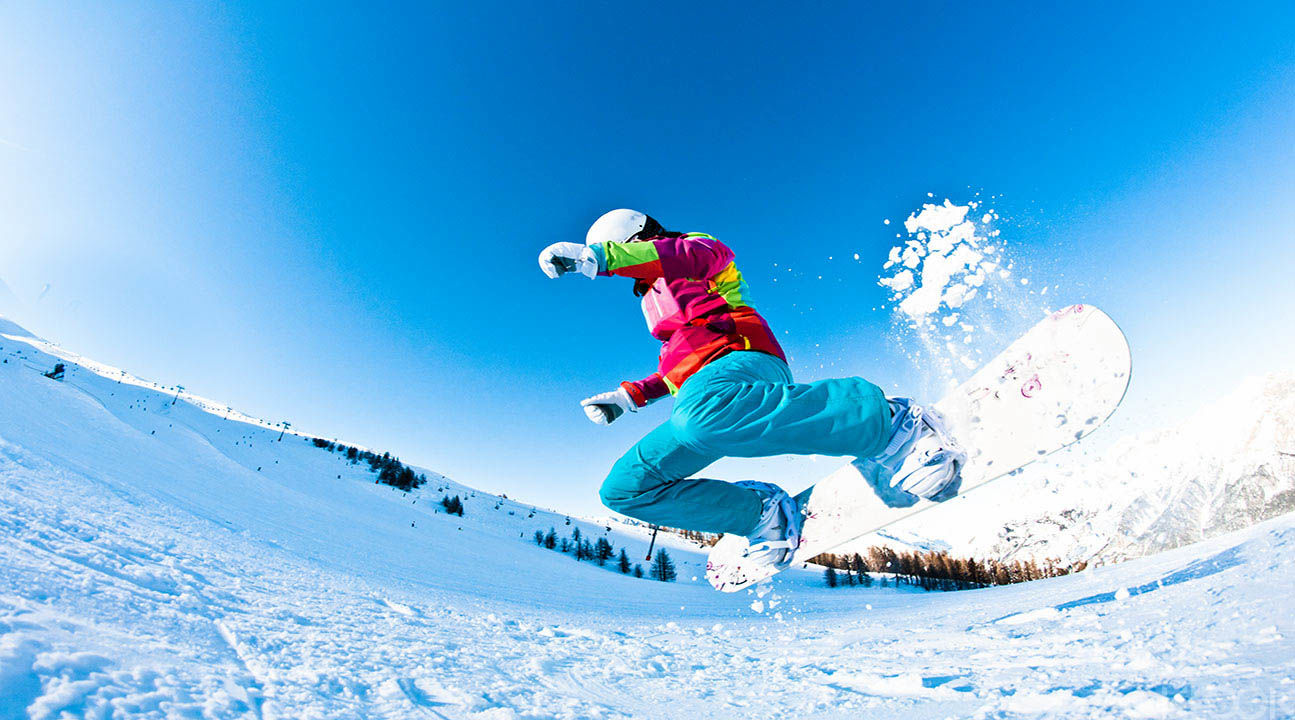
<point x="902" y="281"/>
<point x="936" y="218"/>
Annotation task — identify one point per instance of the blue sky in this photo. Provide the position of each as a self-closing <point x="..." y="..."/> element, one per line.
<point x="332" y="217"/>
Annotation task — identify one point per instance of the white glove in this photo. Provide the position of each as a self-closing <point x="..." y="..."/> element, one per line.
<point x="564" y="257"/>
<point x="605" y="408"/>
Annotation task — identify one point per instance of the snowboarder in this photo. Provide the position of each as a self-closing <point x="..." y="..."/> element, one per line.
<point x="734" y="396"/>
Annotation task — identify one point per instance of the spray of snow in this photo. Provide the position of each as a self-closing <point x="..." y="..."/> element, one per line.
<point x="942" y="264"/>
<point x="952" y="292"/>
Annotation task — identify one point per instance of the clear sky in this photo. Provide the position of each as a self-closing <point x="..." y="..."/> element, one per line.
<point x="330" y="214"/>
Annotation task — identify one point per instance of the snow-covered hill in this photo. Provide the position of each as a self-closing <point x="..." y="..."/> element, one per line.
<point x="224" y="466"/>
<point x="1228" y="466"/>
<point x="170" y="558"/>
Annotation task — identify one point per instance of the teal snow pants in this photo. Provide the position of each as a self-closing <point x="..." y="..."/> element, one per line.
<point x="741" y="405"/>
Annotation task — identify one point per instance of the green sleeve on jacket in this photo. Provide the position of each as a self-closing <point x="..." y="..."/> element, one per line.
<point x="633" y="259"/>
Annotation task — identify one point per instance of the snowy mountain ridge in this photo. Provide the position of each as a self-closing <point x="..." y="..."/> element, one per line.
<point x="1229" y="465"/>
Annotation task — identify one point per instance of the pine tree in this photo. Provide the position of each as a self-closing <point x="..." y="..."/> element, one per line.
<point x="551" y="539"/>
<point x="575" y="535"/>
<point x="860" y="568"/>
<point x="603" y="551"/>
<point x="408" y="479"/>
<point x="638" y="570"/>
<point x="452" y="505"/>
<point x="623" y="562"/>
<point x="829" y="575"/>
<point x="539" y="538"/>
<point x="663" y="567"/>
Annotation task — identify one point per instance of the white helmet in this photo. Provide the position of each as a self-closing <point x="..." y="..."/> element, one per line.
<point x="620" y="226"/>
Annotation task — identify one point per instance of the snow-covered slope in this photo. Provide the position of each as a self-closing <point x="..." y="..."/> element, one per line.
<point x="234" y="470"/>
<point x="165" y="560"/>
<point x="1228" y="466"/>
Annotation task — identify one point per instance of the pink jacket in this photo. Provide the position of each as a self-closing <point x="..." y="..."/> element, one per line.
<point x="694" y="301"/>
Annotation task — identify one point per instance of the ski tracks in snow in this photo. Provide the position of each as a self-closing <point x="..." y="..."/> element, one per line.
<point x="127" y="610"/>
<point x="103" y="580"/>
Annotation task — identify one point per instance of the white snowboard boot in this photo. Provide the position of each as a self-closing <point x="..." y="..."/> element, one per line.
<point x="922" y="458"/>
<point x="777" y="535"/>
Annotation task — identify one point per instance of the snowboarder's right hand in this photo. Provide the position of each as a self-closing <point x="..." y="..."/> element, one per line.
<point x="605" y="408"/>
<point x="564" y="257"/>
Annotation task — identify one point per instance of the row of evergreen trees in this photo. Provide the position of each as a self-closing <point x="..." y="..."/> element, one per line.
<point x="848" y="579"/>
<point x="931" y="570"/>
<point x="701" y="538"/>
<point x="601" y="551"/>
<point x="388" y="467"/>
<point x="854" y="571"/>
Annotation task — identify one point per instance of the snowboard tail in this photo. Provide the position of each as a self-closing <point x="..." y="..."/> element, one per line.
<point x="1052" y="387"/>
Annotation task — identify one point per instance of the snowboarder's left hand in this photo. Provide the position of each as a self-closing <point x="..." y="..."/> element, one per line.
<point x="564" y="257"/>
<point x="605" y="408"/>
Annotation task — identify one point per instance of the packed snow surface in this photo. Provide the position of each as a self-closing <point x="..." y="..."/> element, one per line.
<point x="161" y="557"/>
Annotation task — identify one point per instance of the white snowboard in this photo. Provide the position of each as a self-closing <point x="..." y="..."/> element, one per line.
<point x="1050" y="388"/>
